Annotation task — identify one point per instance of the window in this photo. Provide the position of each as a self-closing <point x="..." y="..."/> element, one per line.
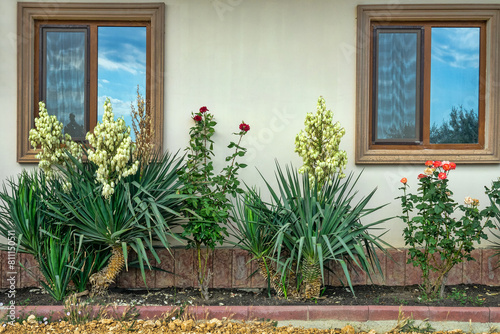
<point x="425" y="84"/>
<point x="72" y="56"/>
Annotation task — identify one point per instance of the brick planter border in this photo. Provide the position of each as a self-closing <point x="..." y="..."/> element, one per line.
<point x="284" y="313"/>
<point x="232" y="270"/>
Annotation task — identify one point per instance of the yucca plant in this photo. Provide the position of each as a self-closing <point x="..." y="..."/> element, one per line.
<point x="323" y="224"/>
<point x="255" y="229"/>
<point x="94" y="258"/>
<point x="56" y="261"/>
<point x="142" y="209"/>
<point x="23" y="216"/>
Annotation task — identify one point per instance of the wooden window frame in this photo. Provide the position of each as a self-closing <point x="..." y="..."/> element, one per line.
<point x="487" y="151"/>
<point x="32" y="14"/>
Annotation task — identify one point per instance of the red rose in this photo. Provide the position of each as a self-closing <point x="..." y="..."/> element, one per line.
<point x="442" y="176"/>
<point x="421" y="176"/>
<point x="437" y="163"/>
<point x="453" y="165"/>
<point x="203" y="109"/>
<point x="244" y="127"/>
<point x="446" y="167"/>
<point x="429" y="163"/>
<point x="197" y="118"/>
<point x="404" y="180"/>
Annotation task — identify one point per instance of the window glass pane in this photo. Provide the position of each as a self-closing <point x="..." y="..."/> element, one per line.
<point x="121" y="67"/>
<point x="397" y="86"/>
<point x="454" y="85"/>
<point x="64" y="78"/>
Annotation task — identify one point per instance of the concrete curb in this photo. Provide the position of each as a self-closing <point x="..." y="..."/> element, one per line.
<point x="304" y="313"/>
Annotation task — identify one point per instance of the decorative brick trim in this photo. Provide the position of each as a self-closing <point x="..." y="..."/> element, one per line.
<point x="232" y="269"/>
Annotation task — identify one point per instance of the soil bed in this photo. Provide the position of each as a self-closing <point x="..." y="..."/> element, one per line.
<point x="458" y="295"/>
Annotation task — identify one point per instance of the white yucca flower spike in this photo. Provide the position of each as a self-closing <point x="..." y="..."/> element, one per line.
<point x="318" y="145"/>
<point x="112" y="150"/>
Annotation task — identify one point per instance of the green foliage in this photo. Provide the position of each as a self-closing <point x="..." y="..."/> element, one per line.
<point x="493" y="210"/>
<point x="312" y="226"/>
<point x="141" y="209"/>
<point x="461" y="297"/>
<point x="437" y="240"/>
<point x="208" y="210"/>
<point x="23" y="217"/>
<point x="93" y="259"/>
<point x="211" y="206"/>
<point x="252" y="230"/>
<point x="319" y="145"/>
<point x="28" y="227"/>
<point x="56" y="261"/>
<point x="461" y="128"/>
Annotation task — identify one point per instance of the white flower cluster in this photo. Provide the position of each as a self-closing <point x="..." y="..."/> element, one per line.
<point x="48" y="136"/>
<point x="112" y="152"/>
<point x="318" y="145"/>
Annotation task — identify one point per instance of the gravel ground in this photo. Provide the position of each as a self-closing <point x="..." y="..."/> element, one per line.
<point x="214" y="326"/>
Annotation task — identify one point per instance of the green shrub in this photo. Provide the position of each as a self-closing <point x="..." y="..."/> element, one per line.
<point x="312" y="227"/>
<point x="437" y="240"/>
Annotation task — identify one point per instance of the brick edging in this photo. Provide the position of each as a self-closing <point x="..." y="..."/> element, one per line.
<point x="232" y="268"/>
<point x="310" y="313"/>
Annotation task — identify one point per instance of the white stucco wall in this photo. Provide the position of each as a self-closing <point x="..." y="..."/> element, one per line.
<point x="264" y="62"/>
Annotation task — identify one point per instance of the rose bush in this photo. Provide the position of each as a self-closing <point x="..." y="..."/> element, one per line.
<point x="208" y="210"/>
<point x="441" y="233"/>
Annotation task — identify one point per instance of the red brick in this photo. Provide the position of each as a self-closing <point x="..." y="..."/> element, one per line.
<point x="222" y="266"/>
<point x="203" y="254"/>
<point x="241" y="268"/>
<point x="490" y="270"/>
<point x="395" y="267"/>
<point x="472" y="269"/>
<point x="413" y="275"/>
<point x="476" y="314"/>
<point x="277" y="313"/>
<point x="376" y="277"/>
<point x="149" y="273"/>
<point x="494" y="314"/>
<point x="28" y="277"/>
<point x="455" y="276"/>
<point x="53" y="312"/>
<point x="165" y="279"/>
<point x="184" y="265"/>
<point x="358" y="275"/>
<point x="336" y="276"/>
<point x="150" y="312"/>
<point x="381" y="312"/>
<point x="230" y="312"/>
<point x="344" y="312"/>
<point x="127" y="279"/>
